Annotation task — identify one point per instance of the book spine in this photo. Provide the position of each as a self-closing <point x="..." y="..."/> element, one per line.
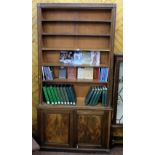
<point x="62" y="95"/>
<point x="58" y="94"/>
<point x="88" y="95"/>
<point x="97" y="96"/>
<point x="43" y="74"/>
<point x="46" y="95"/>
<point x="53" y="96"/>
<point x="92" y="98"/>
<point x="69" y="95"/>
<point x="49" y="94"/>
<point x="65" y="94"/>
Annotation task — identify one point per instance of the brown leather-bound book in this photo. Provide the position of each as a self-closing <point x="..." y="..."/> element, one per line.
<point x="71" y="73"/>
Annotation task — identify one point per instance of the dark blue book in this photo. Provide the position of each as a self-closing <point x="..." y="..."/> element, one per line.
<point x="62" y="73"/>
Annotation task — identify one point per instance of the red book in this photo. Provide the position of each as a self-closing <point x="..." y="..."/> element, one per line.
<point x="98" y="73"/>
<point x="71" y="73"/>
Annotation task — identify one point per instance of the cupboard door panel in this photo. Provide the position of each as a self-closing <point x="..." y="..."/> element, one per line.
<point x="89" y="128"/>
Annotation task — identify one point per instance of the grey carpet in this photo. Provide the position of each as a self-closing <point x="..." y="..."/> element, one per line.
<point x="114" y="151"/>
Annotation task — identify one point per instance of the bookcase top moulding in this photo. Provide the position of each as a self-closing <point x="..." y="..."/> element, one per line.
<point x="77" y="5"/>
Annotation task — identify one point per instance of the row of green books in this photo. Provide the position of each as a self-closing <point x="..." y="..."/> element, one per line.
<point x="97" y="94"/>
<point x="59" y="94"/>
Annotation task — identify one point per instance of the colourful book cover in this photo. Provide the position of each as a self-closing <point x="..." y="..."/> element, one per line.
<point x="66" y="57"/>
<point x="95" y="58"/>
<point x="77" y="58"/>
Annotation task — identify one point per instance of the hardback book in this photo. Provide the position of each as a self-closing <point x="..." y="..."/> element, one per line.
<point x="62" y="73"/>
<point x="95" y="58"/>
<point x="46" y="95"/>
<point x="71" y="73"/>
<point x="66" y="57"/>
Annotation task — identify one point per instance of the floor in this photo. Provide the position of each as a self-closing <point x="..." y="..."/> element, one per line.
<point x="114" y="151"/>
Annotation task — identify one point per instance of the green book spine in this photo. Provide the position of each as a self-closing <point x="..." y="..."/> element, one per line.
<point x="58" y="94"/>
<point x="97" y="96"/>
<point x="49" y="94"/>
<point x="106" y="97"/>
<point x="46" y="95"/>
<point x="53" y="96"/>
<point x="103" y="92"/>
<point x="93" y="96"/>
<point x="90" y="95"/>
<point x="69" y="95"/>
<point x="72" y="95"/>
<point x="65" y="95"/>
<point x="62" y="95"/>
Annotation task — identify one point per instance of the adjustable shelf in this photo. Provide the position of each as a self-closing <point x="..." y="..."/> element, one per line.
<point x="81" y="35"/>
<point x="76" y="21"/>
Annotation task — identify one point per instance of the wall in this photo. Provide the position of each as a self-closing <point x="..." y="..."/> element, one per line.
<point x="117" y="48"/>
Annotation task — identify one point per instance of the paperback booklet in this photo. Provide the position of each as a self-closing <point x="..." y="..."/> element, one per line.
<point x="66" y="57"/>
<point x="95" y="58"/>
<point x="85" y="73"/>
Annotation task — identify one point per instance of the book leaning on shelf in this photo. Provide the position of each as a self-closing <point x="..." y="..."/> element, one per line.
<point x="97" y="94"/>
<point x="59" y="94"/>
<point x="47" y="73"/>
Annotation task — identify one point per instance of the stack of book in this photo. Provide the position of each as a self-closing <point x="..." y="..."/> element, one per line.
<point x="59" y="94"/>
<point x="97" y="94"/>
<point x="47" y="73"/>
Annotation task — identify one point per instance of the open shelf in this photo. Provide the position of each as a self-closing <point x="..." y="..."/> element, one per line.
<point x="79" y="104"/>
<point x="73" y="49"/>
<point x="57" y="80"/>
<point x="72" y="65"/>
<point x="78" y="21"/>
<point x="81" y="35"/>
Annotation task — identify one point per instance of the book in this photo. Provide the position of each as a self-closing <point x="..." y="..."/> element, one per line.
<point x="95" y="58"/>
<point x="77" y="58"/>
<point x="89" y="95"/>
<point x="104" y="74"/>
<point x="85" y="73"/>
<point x="53" y="95"/>
<point x="71" y="73"/>
<point x="66" y="57"/>
<point x="62" y="73"/>
<point x="86" y="58"/>
<point x="46" y="95"/>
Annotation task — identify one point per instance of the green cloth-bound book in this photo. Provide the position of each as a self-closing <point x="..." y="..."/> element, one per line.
<point x="55" y="94"/>
<point x="106" y="97"/>
<point x="58" y="94"/>
<point x="98" y="94"/>
<point x="52" y="93"/>
<point x="62" y="95"/>
<point x="69" y="95"/>
<point x="93" y="96"/>
<point x="49" y="94"/>
<point x="65" y="94"/>
<point x="46" y="95"/>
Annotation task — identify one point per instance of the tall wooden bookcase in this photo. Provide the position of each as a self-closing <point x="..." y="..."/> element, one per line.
<point x="87" y="27"/>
